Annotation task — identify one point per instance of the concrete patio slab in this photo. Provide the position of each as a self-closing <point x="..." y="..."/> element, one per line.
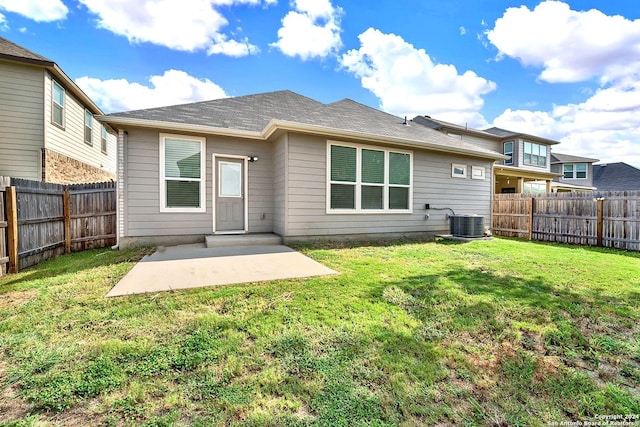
<point x="194" y="266"/>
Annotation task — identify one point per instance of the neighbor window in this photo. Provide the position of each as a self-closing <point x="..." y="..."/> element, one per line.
<point x="367" y="179"/>
<point x="534" y="187"/>
<point x="535" y="154"/>
<point x="103" y="139"/>
<point x="458" y="171"/>
<point x="88" y="127"/>
<point x="574" y="171"/>
<point x="57" y="104"/>
<point x="508" y="151"/>
<point x="182" y="168"/>
<point x="477" y="172"/>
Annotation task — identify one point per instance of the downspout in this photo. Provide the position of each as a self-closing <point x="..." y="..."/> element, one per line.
<point x="122" y="135"/>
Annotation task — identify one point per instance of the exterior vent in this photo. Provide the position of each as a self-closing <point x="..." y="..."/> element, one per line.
<point x="466" y="225"/>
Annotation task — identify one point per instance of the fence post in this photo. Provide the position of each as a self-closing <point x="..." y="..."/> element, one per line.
<point x="67" y="222"/>
<point x="600" y="222"/>
<point x="12" y="229"/>
<point x="532" y="207"/>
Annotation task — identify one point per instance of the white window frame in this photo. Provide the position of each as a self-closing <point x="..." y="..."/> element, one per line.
<point x="564" y="172"/>
<point x="455" y="174"/>
<point x="504" y="150"/>
<point x="103" y="139"/>
<point x="88" y="115"/>
<point x="202" y="179"/>
<point x="534" y="146"/>
<point x="477" y="172"/>
<point x="358" y="183"/>
<point x="54" y="103"/>
<point x="574" y="170"/>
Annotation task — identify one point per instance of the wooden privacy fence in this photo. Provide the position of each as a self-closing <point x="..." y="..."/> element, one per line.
<point x="610" y="219"/>
<point x="44" y="220"/>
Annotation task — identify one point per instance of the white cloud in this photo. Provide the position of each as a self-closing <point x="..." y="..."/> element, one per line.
<point x="463" y="31"/>
<point x="569" y="45"/>
<point x="3" y="23"/>
<point x="310" y="31"/>
<point x="606" y="126"/>
<point x="171" y="88"/>
<point x="181" y="25"/>
<point x="222" y="45"/>
<point x="37" y="10"/>
<point x="408" y="82"/>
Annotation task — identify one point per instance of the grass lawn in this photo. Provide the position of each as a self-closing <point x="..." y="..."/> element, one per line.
<point x="499" y="332"/>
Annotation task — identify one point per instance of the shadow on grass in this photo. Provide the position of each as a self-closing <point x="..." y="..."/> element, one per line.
<point x="71" y="264"/>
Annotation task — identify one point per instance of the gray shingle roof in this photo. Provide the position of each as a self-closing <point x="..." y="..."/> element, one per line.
<point x="10" y="50"/>
<point x="616" y="177"/>
<point x="254" y="112"/>
<point x="504" y="133"/>
<point x="442" y="125"/>
<point x="568" y="158"/>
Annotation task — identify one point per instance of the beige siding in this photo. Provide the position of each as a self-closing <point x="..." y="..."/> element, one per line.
<point x="21" y="121"/>
<point x="280" y="185"/>
<point x="70" y="139"/>
<point x="488" y="144"/>
<point x="142" y="198"/>
<point x="432" y="183"/>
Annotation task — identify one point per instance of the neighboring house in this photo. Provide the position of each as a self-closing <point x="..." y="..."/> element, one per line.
<point x="577" y="173"/>
<point x="616" y="177"/>
<point x="283" y="163"/>
<point x="527" y="168"/>
<point x="47" y="127"/>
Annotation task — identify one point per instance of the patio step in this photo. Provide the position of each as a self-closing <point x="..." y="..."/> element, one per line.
<point x="225" y="240"/>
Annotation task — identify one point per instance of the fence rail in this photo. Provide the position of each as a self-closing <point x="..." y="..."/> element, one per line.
<point x="610" y="219"/>
<point x="42" y="220"/>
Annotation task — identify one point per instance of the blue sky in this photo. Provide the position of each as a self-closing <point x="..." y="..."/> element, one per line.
<point x="566" y="70"/>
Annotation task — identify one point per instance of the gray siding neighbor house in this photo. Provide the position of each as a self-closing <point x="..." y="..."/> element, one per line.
<point x="47" y="126"/>
<point x="283" y="163"/>
<point x="576" y="172"/>
<point x="527" y="166"/>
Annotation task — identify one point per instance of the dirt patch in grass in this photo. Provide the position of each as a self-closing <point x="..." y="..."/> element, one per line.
<point x="11" y="406"/>
<point x="14" y="298"/>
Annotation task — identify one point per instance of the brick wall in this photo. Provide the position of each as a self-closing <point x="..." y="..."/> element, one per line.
<point x="61" y="169"/>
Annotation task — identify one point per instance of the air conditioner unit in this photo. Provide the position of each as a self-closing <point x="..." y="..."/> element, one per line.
<point x="466" y="225"/>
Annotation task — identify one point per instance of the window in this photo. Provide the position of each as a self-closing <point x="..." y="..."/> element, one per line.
<point x="458" y="171"/>
<point x="534" y="187"/>
<point x="103" y="140"/>
<point x="567" y="171"/>
<point x="477" y="172"/>
<point x="57" y="104"/>
<point x="368" y="179"/>
<point x="574" y="171"/>
<point x="88" y="129"/>
<point x="182" y="165"/>
<point x="535" y="154"/>
<point x="230" y="179"/>
<point x="508" y="151"/>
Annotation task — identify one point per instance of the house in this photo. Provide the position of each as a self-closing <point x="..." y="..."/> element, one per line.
<point x="527" y="166"/>
<point x="48" y="129"/>
<point x="616" y="177"/>
<point x="282" y="163"/>
<point x="577" y="173"/>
